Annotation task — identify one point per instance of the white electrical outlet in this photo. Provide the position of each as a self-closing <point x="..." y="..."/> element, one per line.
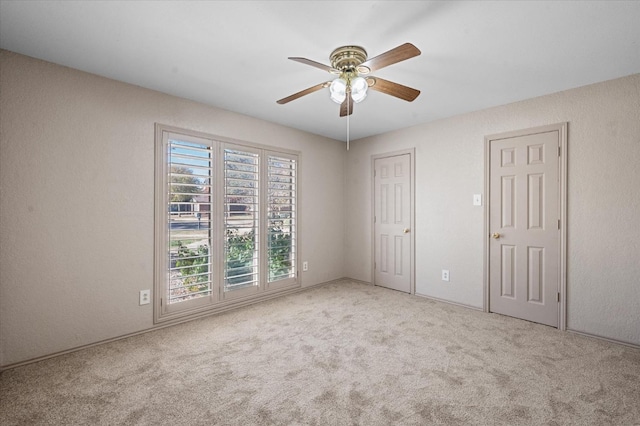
<point x="305" y="266"/>
<point x="145" y="297"/>
<point x="445" y="275"/>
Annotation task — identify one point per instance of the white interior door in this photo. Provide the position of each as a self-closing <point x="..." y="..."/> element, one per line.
<point x="524" y="213"/>
<point x="392" y="222"/>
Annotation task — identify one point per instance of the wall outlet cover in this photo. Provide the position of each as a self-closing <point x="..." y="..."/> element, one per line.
<point x="145" y="297"/>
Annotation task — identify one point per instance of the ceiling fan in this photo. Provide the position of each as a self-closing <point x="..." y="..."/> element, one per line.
<point x="350" y="64"/>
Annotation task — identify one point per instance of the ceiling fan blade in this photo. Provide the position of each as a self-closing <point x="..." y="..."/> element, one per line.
<point x="346" y="109"/>
<point x="316" y="64"/>
<point x="303" y="92"/>
<point x="395" y="55"/>
<point x="393" y="89"/>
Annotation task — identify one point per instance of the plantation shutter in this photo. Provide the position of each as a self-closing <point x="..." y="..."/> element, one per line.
<point x="281" y="219"/>
<point x="226" y="223"/>
<point x="189" y="195"/>
<point x="241" y="220"/>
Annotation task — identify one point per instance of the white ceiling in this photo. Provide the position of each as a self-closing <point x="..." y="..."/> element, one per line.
<point x="233" y="55"/>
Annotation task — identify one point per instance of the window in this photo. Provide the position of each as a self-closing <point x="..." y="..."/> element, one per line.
<point x="226" y="222"/>
<point x="281" y="219"/>
<point x="189" y="220"/>
<point x="241" y="221"/>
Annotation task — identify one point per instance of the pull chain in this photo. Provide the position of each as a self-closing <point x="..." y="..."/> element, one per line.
<point x="348" y="101"/>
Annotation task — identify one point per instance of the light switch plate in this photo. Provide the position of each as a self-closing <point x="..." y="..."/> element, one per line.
<point x="477" y="199"/>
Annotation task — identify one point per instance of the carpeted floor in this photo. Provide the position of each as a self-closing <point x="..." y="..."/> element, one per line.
<point x="340" y="354"/>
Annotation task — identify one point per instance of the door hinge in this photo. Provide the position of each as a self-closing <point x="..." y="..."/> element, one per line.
<point x="558" y="223"/>
<point x="375" y="172"/>
<point x="375" y="219"/>
<point x="558" y="297"/>
<point x="559" y="148"/>
<point x="375" y="265"/>
<point x="161" y="302"/>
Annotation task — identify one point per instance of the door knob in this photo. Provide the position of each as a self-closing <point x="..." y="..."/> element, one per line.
<point x="405" y="230"/>
<point x="495" y="235"/>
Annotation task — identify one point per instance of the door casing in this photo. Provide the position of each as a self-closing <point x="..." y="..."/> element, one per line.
<point x="412" y="220"/>
<point x="561" y="128"/>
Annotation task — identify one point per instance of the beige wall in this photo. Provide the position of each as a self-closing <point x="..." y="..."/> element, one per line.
<point x="603" y="201"/>
<point x="76" y="201"/>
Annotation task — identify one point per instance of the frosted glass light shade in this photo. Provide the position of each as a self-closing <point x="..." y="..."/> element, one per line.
<point x="338" y="90"/>
<point x="359" y="88"/>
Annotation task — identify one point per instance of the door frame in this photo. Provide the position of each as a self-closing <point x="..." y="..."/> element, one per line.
<point x="412" y="216"/>
<point x="561" y="128"/>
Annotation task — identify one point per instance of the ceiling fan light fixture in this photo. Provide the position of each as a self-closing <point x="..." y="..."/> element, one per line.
<point x="352" y="68"/>
<point x="338" y="90"/>
<point x="359" y="88"/>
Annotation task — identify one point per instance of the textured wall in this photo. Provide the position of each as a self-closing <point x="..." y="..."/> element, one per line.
<point x="603" y="201"/>
<point x="76" y="201"/>
<point x="77" y="194"/>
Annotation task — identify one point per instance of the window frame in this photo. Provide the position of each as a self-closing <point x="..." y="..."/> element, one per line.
<point x="219" y="300"/>
<point x="162" y="237"/>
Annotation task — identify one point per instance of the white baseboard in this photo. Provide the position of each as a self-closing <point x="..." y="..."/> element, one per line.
<point x="297" y="290"/>
<point x="608" y="339"/>
<point x="463" y="305"/>
<point x="165" y="325"/>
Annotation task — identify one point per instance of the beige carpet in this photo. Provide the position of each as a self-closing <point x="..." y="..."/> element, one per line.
<point x="340" y="354"/>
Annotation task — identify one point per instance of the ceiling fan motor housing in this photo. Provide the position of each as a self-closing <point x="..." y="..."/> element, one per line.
<point x="347" y="58"/>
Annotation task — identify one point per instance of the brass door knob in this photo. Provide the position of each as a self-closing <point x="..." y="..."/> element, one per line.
<point x="405" y="230"/>
<point x="495" y="235"/>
